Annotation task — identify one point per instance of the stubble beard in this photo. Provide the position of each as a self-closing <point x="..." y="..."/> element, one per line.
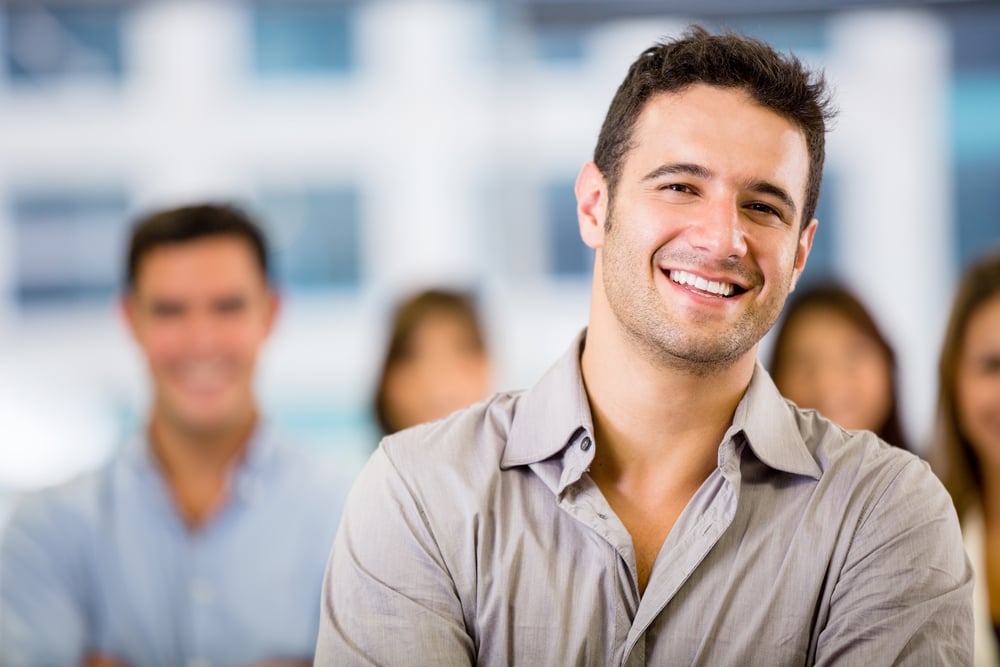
<point x="657" y="333"/>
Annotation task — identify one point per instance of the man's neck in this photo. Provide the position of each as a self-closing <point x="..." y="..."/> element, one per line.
<point x="644" y="411"/>
<point x="196" y="464"/>
<point x="657" y="430"/>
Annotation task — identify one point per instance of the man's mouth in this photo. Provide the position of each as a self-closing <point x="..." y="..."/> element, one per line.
<point x="703" y="285"/>
<point x="203" y="375"/>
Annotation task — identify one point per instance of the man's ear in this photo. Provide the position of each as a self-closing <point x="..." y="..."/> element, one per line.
<point x="802" y="251"/>
<point x="273" y="308"/>
<point x="591" y="204"/>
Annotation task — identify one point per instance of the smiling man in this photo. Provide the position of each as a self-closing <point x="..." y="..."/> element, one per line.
<point x="204" y="541"/>
<point x="653" y="499"/>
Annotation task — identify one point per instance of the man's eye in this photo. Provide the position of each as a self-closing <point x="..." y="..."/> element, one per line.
<point x="677" y="187"/>
<point x="230" y="306"/>
<point x="166" y="310"/>
<point x="763" y="208"/>
<point x="990" y="365"/>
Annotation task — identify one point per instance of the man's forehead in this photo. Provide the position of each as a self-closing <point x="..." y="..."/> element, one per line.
<point x="696" y="116"/>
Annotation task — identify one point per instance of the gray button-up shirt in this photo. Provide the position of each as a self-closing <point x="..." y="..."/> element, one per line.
<point x="481" y="539"/>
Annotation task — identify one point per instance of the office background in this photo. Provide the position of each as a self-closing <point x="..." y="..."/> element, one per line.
<point x="389" y="146"/>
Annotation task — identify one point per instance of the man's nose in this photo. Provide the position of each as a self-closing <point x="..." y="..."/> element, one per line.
<point x="719" y="230"/>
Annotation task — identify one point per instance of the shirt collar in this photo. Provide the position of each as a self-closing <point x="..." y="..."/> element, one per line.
<point x="261" y="447"/>
<point x="550" y="413"/>
<point x="768" y="423"/>
<point x="554" y="411"/>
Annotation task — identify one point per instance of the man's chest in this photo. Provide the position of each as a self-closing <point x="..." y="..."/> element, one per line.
<point x="560" y="587"/>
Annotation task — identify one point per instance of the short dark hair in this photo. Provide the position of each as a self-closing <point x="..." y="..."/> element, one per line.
<point x="189" y="223"/>
<point x="777" y="82"/>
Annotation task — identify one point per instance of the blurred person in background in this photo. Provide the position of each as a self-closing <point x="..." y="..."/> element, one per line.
<point x="203" y="541"/>
<point x="436" y="361"/>
<point x="829" y="355"/>
<point x="966" y="450"/>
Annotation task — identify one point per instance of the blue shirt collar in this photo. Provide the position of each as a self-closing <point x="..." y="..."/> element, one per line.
<point x="261" y="449"/>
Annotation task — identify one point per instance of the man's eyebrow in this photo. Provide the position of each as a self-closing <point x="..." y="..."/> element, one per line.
<point x="765" y="188"/>
<point x="688" y="168"/>
<point x="164" y="303"/>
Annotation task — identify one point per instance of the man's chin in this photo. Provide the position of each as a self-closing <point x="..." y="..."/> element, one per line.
<point x="205" y="419"/>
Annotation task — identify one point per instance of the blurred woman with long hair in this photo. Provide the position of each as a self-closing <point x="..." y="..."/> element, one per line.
<point x="966" y="450"/>
<point x="436" y="361"/>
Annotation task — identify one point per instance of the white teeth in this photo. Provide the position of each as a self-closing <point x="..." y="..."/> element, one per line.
<point x="712" y="286"/>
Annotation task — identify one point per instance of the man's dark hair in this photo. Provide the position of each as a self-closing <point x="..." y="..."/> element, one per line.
<point x="191" y="223"/>
<point x="777" y="82"/>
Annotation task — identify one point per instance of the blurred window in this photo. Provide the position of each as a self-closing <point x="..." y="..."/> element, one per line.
<point x="568" y="255"/>
<point x="68" y="244"/>
<point x="801" y="34"/>
<point x="977" y="229"/>
<point x="975" y="46"/>
<point x="560" y="44"/>
<point x="315" y="234"/>
<point x="45" y="42"/>
<point x="302" y="38"/>
<point x="976" y="143"/>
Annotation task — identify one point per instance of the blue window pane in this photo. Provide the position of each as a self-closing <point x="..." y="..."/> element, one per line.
<point x="69" y="244"/>
<point x="560" y="44"/>
<point x="568" y="255"/>
<point x="975" y="35"/>
<point x="796" y="34"/>
<point x="301" y="38"/>
<point x="315" y="235"/>
<point x="975" y="122"/>
<point x="63" y="41"/>
<point x="978" y="228"/>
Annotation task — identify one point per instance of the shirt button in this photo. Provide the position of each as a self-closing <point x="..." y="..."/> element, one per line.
<point x="201" y="591"/>
<point x="586" y="443"/>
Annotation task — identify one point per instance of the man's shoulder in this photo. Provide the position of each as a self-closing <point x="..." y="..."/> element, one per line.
<point x="441" y="473"/>
<point x="62" y="510"/>
<point x="473" y="436"/>
<point x="862" y="463"/>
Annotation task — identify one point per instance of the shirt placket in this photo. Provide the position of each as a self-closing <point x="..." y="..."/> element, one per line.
<point x="581" y="499"/>
<point x="681" y="554"/>
<point x="200" y="596"/>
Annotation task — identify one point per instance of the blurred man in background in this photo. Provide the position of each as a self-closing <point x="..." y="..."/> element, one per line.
<point x="203" y="542"/>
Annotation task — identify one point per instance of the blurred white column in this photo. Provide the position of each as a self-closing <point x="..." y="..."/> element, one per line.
<point x="185" y="57"/>
<point x="890" y="72"/>
<point x="427" y="129"/>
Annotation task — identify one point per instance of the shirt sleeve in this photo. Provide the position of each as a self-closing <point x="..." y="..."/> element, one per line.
<point x="388" y="598"/>
<point x="904" y="596"/>
<point x="42" y="617"/>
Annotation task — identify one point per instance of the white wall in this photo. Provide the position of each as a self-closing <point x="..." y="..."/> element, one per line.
<point x="425" y="126"/>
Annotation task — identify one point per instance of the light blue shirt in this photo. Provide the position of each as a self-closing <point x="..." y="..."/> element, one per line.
<point x="105" y="564"/>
